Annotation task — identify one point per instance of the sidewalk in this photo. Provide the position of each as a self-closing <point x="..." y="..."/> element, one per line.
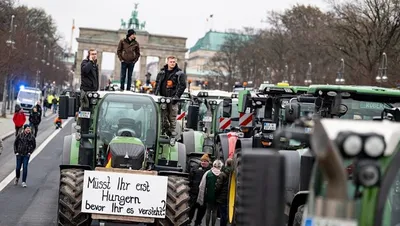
<point x="7" y="127"/>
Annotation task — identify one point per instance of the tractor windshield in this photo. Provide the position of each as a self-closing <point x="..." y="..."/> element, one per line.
<point x="363" y="110"/>
<point x="134" y="112"/>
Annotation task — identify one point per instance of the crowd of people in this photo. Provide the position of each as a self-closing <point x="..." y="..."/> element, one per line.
<point x="209" y="191"/>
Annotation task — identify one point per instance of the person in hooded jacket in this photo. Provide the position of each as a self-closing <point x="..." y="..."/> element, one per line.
<point x="195" y="176"/>
<point x="170" y="82"/>
<point x="35" y="119"/>
<point x="221" y="191"/>
<point x="207" y="192"/>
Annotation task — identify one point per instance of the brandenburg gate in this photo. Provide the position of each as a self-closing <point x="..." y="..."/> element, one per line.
<point x="102" y="40"/>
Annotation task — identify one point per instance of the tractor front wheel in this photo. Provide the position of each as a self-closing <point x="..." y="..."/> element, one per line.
<point x="70" y="199"/>
<point x="177" y="208"/>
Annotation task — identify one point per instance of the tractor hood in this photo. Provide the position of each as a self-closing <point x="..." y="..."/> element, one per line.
<point x="126" y="152"/>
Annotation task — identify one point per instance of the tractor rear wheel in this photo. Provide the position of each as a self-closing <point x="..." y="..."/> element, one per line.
<point x="193" y="162"/>
<point x="70" y="199"/>
<point x="177" y="207"/>
<point x="234" y="184"/>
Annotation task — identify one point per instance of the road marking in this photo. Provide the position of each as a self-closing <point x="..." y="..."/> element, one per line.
<point x="11" y="176"/>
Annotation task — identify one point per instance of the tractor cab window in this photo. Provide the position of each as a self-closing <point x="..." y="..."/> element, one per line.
<point x="131" y="114"/>
<point x="391" y="213"/>
<point x="363" y="110"/>
<point x="234" y="113"/>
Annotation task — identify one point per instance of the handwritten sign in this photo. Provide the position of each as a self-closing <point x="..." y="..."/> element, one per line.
<point x="124" y="194"/>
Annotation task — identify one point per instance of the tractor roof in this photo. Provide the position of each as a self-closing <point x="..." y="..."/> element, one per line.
<point x="211" y="93"/>
<point x="366" y="92"/>
<point x="103" y="93"/>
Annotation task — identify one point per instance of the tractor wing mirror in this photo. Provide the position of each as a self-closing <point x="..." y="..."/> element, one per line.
<point x="67" y="107"/>
<point x="292" y="112"/>
<point x="227" y="108"/>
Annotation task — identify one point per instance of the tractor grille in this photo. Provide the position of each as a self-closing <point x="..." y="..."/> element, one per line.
<point x="125" y="155"/>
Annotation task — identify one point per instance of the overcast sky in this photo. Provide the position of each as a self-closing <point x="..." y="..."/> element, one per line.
<point x="186" y="18"/>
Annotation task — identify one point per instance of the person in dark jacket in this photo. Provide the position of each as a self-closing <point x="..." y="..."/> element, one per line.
<point x="90" y="72"/>
<point x="170" y="82"/>
<point x="128" y="53"/>
<point x="195" y="176"/>
<point x="24" y="145"/>
<point x="39" y="108"/>
<point x="221" y="191"/>
<point x="35" y="119"/>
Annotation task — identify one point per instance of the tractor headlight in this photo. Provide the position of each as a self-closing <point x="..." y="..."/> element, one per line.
<point x="168" y="101"/>
<point x="90" y="95"/>
<point x="162" y="100"/>
<point x="163" y="106"/>
<point x="96" y="95"/>
<point x="172" y="141"/>
<point x="93" y="101"/>
<point x="374" y="146"/>
<point x="258" y="102"/>
<point x="352" y="145"/>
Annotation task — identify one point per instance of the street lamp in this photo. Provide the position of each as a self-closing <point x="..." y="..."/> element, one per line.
<point x="382" y="72"/>
<point x="44" y="54"/>
<point x="48" y="57"/>
<point x="340" y="73"/>
<point x="285" y="76"/>
<point x="308" y="80"/>
<point x="269" y="77"/>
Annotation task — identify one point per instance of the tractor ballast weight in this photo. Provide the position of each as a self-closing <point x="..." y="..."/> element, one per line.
<point x="259" y="204"/>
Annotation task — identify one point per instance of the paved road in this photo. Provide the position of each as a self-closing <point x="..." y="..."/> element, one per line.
<point x="35" y="205"/>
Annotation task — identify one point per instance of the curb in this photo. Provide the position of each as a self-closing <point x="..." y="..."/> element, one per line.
<point x="7" y="135"/>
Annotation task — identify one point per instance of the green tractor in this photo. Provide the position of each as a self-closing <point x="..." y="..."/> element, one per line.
<point x="121" y="134"/>
<point x="270" y="110"/>
<point x="344" y="102"/>
<point x="365" y="194"/>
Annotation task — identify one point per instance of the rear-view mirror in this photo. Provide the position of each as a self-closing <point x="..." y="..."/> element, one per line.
<point x="292" y="112"/>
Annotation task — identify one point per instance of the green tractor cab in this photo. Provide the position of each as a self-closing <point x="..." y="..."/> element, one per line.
<point x="119" y="140"/>
<point x="356" y="175"/>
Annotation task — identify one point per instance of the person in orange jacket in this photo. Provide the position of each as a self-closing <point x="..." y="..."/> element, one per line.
<point x="58" y="123"/>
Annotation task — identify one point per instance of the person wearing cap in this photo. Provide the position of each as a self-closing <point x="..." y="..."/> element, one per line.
<point x="128" y="53"/>
<point x="24" y="145"/>
<point x="195" y="175"/>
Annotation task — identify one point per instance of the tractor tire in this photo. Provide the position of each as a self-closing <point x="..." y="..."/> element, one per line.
<point x="298" y="217"/>
<point x="234" y="184"/>
<point x="70" y="199"/>
<point x="177" y="207"/>
<point x="192" y="162"/>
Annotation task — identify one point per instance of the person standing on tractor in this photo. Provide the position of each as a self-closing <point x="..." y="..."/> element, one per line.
<point x="24" y="145"/>
<point x="221" y="191"/>
<point x="128" y="53"/>
<point x="89" y="76"/>
<point x="207" y="192"/>
<point x="195" y="176"/>
<point x="35" y="119"/>
<point x="19" y="119"/>
<point x="171" y="82"/>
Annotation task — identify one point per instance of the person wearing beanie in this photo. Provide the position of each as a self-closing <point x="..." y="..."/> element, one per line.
<point x="128" y="53"/>
<point x="195" y="175"/>
<point x="24" y="145"/>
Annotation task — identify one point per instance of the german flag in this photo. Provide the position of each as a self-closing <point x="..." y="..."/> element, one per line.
<point x="108" y="165"/>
